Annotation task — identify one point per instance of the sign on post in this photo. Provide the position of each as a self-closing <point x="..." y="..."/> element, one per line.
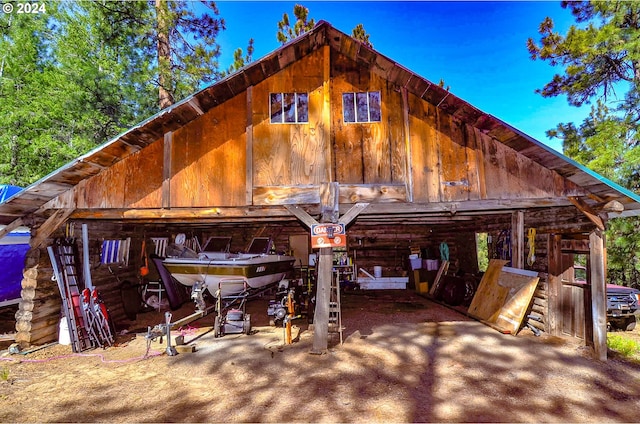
<point x="328" y="235"/>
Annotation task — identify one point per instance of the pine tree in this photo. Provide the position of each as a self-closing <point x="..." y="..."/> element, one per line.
<point x="360" y="34"/>
<point x="302" y="24"/>
<point x="600" y="60"/>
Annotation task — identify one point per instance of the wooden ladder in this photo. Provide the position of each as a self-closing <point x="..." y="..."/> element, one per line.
<point x="335" y="313"/>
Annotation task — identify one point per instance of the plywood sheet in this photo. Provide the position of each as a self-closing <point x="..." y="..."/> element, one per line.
<point x="503" y="296"/>
<point x="489" y="294"/>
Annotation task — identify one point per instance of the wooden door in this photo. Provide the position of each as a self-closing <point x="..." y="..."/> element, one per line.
<point x="575" y="300"/>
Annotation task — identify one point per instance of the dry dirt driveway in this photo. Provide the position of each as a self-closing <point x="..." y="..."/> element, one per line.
<point x="404" y="359"/>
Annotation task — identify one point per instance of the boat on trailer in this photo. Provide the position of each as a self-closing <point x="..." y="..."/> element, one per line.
<point x="256" y="267"/>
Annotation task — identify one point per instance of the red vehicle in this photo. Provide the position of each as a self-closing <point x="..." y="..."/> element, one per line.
<point x="623" y="303"/>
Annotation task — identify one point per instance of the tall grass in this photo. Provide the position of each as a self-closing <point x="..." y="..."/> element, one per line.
<point x="625" y="346"/>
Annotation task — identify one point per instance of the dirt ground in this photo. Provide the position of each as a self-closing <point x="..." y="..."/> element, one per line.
<point x="406" y="360"/>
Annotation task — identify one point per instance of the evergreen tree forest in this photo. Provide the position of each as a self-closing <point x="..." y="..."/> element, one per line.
<point x="80" y="73"/>
<point x="599" y="63"/>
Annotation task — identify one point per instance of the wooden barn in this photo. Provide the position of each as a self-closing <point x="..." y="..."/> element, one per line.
<point x="325" y="129"/>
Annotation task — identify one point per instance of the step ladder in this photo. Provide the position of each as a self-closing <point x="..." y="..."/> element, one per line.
<point x="335" y="313"/>
<point x="64" y="260"/>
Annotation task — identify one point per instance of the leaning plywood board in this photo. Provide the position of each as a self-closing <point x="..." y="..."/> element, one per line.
<point x="521" y="284"/>
<point x="503" y="297"/>
<point x="488" y="297"/>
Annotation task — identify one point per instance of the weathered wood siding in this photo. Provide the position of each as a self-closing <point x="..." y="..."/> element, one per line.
<point x="134" y="182"/>
<point x="366" y="153"/>
<point x="208" y="158"/>
<point x="291" y="154"/>
<point x="452" y="161"/>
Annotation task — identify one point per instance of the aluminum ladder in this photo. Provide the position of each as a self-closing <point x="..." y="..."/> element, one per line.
<point x="64" y="256"/>
<point x="335" y="313"/>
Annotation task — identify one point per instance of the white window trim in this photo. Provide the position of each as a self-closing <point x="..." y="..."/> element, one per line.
<point x="355" y="108"/>
<point x="282" y="114"/>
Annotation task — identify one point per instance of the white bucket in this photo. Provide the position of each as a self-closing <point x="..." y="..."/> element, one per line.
<point x="377" y="271"/>
<point x="63" y="334"/>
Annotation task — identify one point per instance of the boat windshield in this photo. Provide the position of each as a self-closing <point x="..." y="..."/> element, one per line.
<point x="259" y="246"/>
<point x="217" y="244"/>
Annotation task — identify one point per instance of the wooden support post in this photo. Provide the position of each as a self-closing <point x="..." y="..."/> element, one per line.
<point x="598" y="294"/>
<point x="323" y="292"/>
<point x="517" y="239"/>
<point x="329" y="202"/>
<point x="554" y="285"/>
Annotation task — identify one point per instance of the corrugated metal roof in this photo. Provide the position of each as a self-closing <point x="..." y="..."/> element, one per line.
<point x="36" y="195"/>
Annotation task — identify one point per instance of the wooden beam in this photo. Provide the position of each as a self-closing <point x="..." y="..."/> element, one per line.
<point x="330" y="202"/>
<point x="517" y="239"/>
<point x="587" y="211"/>
<point x="11" y="226"/>
<point x="302" y="215"/>
<point x="598" y="294"/>
<point x="49" y="226"/>
<point x="352" y="213"/>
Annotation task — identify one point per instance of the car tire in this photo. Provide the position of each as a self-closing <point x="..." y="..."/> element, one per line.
<point x="630" y="324"/>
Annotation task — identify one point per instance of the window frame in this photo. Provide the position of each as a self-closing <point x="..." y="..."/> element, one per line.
<point x="354" y="108"/>
<point x="297" y="105"/>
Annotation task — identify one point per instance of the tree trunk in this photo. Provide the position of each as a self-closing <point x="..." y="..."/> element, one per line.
<point x="165" y="98"/>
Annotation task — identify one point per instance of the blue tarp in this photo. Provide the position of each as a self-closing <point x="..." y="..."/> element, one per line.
<point x="11" y="266"/>
<point x="12" y="254"/>
<point x="6" y="191"/>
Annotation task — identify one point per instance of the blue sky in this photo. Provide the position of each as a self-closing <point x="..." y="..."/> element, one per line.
<point x="478" y="48"/>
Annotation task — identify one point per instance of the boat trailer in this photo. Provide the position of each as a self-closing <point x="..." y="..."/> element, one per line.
<point x="231" y="316"/>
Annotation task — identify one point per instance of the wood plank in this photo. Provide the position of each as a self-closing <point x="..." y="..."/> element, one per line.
<point x="166" y="170"/>
<point x="302" y="215"/>
<point x="437" y="282"/>
<point x="482" y="305"/>
<point x="406" y="125"/>
<point x="249" y="149"/>
<point x="329" y="202"/>
<point x="352" y="213"/>
<point x="325" y="128"/>
<point x="517" y="239"/>
<point x="598" y="294"/>
<point x="10" y="227"/>
<point x="49" y="227"/>
<point x="587" y="211"/>
<point x="453" y="168"/>
<point x="520" y="292"/>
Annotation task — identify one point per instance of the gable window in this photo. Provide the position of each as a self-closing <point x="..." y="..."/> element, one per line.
<point x="361" y="107"/>
<point x="289" y="108"/>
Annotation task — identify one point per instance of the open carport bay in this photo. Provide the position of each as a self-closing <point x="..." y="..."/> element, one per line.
<point x="404" y="359"/>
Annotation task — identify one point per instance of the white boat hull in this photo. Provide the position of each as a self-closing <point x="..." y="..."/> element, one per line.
<point x="230" y="275"/>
